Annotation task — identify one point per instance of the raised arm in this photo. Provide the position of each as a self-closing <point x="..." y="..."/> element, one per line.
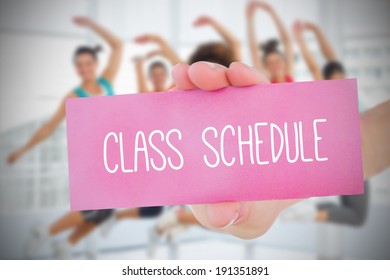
<point x="115" y="43"/>
<point x="229" y="38"/>
<point x="140" y="72"/>
<point x="325" y="46"/>
<point x="253" y="44"/>
<point x="307" y="55"/>
<point x="375" y="131"/>
<point x="165" y="49"/>
<point x="284" y="37"/>
<point x="42" y="133"/>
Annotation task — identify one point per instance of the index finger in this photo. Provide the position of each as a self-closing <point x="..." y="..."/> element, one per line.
<point x="201" y="75"/>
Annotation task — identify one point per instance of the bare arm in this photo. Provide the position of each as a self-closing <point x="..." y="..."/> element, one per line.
<point x="375" y="135"/>
<point x="42" y="133"/>
<point x="325" y="46"/>
<point x="115" y="43"/>
<point x="253" y="45"/>
<point x="307" y="55"/>
<point x="229" y="38"/>
<point x="165" y="49"/>
<point x="139" y="70"/>
<point x="284" y="37"/>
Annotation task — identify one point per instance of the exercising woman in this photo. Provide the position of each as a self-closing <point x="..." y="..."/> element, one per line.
<point x="277" y="65"/>
<point x="221" y="54"/>
<point x="230" y="41"/>
<point x="175" y="219"/>
<point x="353" y="208"/>
<point x="332" y="69"/>
<point x="86" y="64"/>
<point x="157" y="72"/>
<point x="158" y="76"/>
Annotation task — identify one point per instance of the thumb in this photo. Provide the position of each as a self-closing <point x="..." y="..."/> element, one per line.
<point x="223" y="214"/>
<point x="220" y="215"/>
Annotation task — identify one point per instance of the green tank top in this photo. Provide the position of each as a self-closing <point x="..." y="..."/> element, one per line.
<point x="105" y="84"/>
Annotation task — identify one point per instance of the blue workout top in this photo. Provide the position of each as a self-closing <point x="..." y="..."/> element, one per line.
<point x="105" y="84"/>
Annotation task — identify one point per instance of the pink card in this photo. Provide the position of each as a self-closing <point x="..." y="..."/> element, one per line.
<point x="265" y="142"/>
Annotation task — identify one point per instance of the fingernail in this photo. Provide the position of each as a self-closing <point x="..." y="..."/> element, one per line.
<point x="234" y="219"/>
<point x="251" y="68"/>
<point x="210" y="65"/>
<point x="263" y="78"/>
<point x="227" y="214"/>
<point x="240" y="213"/>
<point x="215" y="66"/>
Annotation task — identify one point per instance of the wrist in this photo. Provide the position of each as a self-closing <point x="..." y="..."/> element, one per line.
<point x="159" y="40"/>
<point x="271" y="11"/>
<point x="91" y="24"/>
<point x="314" y="28"/>
<point x="22" y="150"/>
<point x="213" y="23"/>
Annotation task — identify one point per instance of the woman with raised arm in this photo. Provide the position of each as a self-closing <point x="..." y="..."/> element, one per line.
<point x="231" y="41"/>
<point x="163" y="47"/>
<point x="276" y="64"/>
<point x="158" y="76"/>
<point x="157" y="72"/>
<point x="352" y="209"/>
<point x="176" y="219"/>
<point x="92" y="84"/>
<point x="333" y="69"/>
<point x="86" y="63"/>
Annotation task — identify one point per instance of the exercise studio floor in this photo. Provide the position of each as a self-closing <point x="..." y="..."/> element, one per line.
<point x="209" y="249"/>
<point x="129" y="240"/>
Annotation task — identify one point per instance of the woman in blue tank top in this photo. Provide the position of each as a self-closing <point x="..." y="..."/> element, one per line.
<point x="86" y="64"/>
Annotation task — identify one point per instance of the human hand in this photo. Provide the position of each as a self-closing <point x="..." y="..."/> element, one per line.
<point x="82" y="21"/>
<point x="147" y="38"/>
<point x="151" y="54"/>
<point x="261" y="5"/>
<point x="203" y="20"/>
<point x="309" y="25"/>
<point x="251" y="9"/>
<point x="13" y="157"/>
<point x="298" y="28"/>
<point x="242" y="219"/>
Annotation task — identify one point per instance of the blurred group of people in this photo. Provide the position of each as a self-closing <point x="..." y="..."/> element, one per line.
<point x="268" y="59"/>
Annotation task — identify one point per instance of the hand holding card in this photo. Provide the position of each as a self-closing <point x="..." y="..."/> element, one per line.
<point x="242" y="219"/>
<point x="239" y="143"/>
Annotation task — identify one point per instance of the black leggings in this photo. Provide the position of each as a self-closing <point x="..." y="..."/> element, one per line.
<point x="96" y="216"/>
<point x="352" y="211"/>
<point x="99" y="216"/>
<point x="150" y="212"/>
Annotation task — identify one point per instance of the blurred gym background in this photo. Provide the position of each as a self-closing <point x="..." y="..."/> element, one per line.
<point x="37" y="40"/>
